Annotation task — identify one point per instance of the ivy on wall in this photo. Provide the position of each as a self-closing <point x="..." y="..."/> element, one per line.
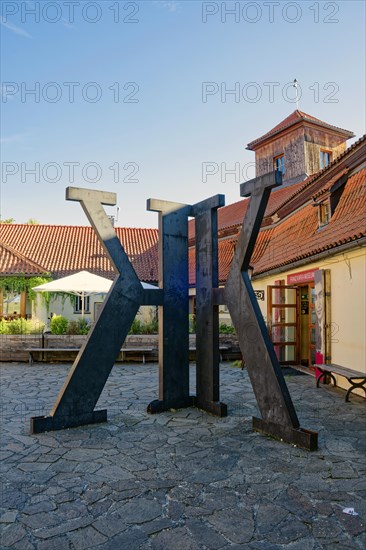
<point x="48" y="297"/>
<point x="16" y="285"/>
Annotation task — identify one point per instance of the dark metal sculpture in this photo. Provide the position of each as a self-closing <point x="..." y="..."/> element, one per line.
<point x="89" y="373"/>
<point x="75" y="403"/>
<point x="279" y="417"/>
<point x="173" y="313"/>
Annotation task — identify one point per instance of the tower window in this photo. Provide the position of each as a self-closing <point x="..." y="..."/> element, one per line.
<point x="279" y="163"/>
<point x="324" y="213"/>
<point x="325" y="158"/>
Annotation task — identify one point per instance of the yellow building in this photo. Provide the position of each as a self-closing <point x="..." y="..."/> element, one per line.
<point x="310" y="258"/>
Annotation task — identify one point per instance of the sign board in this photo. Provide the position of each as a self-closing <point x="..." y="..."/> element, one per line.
<point x="259" y="294"/>
<point x="301" y="277"/>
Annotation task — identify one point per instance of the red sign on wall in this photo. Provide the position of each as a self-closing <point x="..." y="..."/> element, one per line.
<point x="301" y="277"/>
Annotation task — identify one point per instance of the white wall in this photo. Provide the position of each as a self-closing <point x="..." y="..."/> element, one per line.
<point x="65" y="307"/>
<point x="348" y="304"/>
<point x="62" y="306"/>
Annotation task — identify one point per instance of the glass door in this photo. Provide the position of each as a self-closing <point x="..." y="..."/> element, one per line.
<point x="312" y="325"/>
<point x="283" y="322"/>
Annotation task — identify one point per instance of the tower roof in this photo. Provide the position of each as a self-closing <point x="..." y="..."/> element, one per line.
<point x="294" y="118"/>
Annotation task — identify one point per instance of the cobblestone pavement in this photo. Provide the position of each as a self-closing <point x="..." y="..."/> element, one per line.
<point x="181" y="480"/>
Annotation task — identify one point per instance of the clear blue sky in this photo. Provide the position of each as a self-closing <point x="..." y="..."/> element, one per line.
<point x="156" y="56"/>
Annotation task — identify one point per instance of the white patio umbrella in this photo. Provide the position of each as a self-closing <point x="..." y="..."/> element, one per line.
<point x="81" y="284"/>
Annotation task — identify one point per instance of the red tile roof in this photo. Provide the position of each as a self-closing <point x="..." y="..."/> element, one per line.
<point x="295" y="118"/>
<point x="228" y="216"/>
<point x="13" y="262"/>
<point x="281" y="196"/>
<point x="232" y="215"/>
<point x="330" y="183"/>
<point x="63" y="250"/>
<point x="299" y="236"/>
<point x="226" y="250"/>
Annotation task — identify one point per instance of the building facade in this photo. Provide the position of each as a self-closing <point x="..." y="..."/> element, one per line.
<point x="299" y="146"/>
<point x="309" y="261"/>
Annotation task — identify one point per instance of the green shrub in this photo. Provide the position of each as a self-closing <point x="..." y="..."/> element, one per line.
<point x="151" y="327"/>
<point x="226" y="329"/>
<point x="4" y="327"/>
<point x="136" y="327"/>
<point x="36" y="326"/>
<point x="18" y="326"/>
<point x="21" y="326"/>
<point x="140" y="327"/>
<point x="73" y="327"/>
<point x="81" y="326"/>
<point x="59" y="324"/>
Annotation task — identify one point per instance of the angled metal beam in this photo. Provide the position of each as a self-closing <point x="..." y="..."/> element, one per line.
<point x="75" y="403"/>
<point x="279" y="417"/>
<point x="207" y="313"/>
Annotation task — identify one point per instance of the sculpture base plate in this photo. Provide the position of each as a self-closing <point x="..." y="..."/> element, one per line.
<point x="40" y="424"/>
<point x="306" y="439"/>
<point x="158" y="406"/>
<point x="216" y="408"/>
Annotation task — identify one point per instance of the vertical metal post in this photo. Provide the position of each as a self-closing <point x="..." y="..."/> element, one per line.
<point x="207" y="314"/>
<point x="173" y="314"/>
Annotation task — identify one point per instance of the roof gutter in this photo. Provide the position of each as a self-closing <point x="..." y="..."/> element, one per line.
<point x="359" y="243"/>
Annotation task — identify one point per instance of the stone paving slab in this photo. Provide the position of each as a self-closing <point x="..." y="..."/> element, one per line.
<point x="182" y="479"/>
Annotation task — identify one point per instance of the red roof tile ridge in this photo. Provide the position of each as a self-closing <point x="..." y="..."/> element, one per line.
<point x="72" y="226"/>
<point x="154" y="229"/>
<point x="329" y="183"/>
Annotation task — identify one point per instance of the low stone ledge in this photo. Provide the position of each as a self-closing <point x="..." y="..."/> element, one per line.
<point x="13" y="346"/>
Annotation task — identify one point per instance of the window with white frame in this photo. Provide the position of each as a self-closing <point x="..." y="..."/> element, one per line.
<point x="78" y="304"/>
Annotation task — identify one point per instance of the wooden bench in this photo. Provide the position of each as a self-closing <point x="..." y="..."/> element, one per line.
<point x="139" y="350"/>
<point x="221" y="349"/>
<point x="44" y="352"/>
<point x="351" y="375"/>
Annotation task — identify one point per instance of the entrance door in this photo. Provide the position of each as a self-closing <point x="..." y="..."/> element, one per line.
<point x="283" y="322"/>
<point x="307" y="325"/>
